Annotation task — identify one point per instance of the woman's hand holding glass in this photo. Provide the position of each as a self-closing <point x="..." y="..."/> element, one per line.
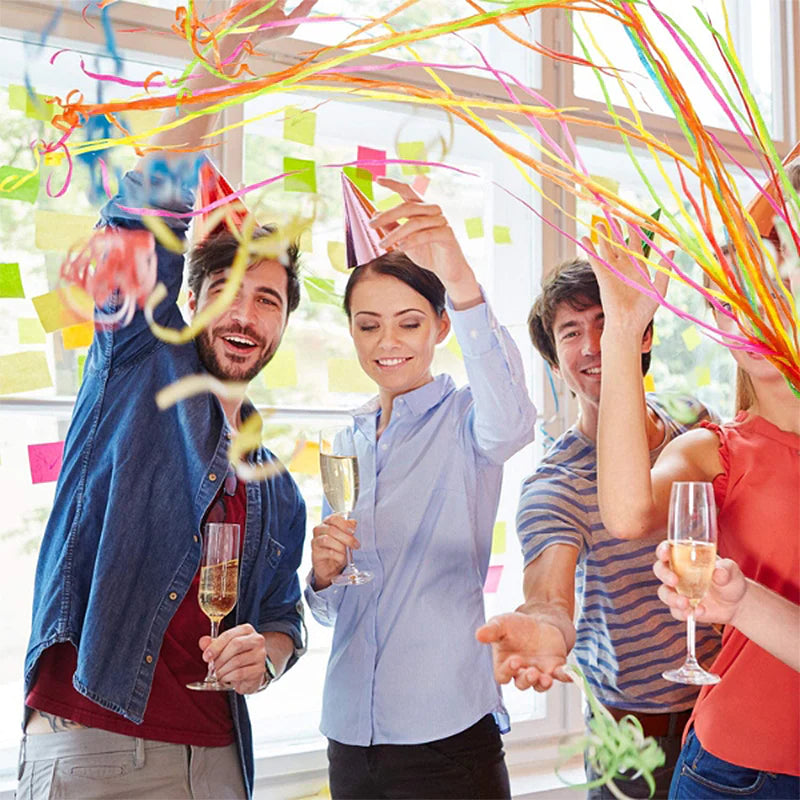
<point x="329" y="548"/>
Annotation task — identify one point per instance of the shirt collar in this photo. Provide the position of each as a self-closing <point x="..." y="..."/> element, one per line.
<point x="419" y="401"/>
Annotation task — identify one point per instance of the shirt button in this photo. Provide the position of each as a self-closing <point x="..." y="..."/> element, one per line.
<point x="213" y="476"/>
<point x="173" y="596"/>
<point x="196" y="538"/>
<point x="473" y="334"/>
<point x="148" y="659"/>
<point x="384" y="447"/>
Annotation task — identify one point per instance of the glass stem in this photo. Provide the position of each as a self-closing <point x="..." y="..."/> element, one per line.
<point x="351" y="566"/>
<point x="690" y="654"/>
<point x="211" y="677"/>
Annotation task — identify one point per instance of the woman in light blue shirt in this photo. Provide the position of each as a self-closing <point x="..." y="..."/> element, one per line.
<point x="410" y="707"/>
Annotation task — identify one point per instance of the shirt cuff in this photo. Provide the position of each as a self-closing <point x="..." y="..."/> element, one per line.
<point x="476" y="328"/>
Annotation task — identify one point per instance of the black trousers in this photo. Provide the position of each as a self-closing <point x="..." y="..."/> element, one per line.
<point x="470" y="764"/>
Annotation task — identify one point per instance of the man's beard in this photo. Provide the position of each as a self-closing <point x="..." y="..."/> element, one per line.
<point x="231" y="371"/>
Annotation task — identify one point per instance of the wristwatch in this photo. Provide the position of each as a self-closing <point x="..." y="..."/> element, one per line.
<point x="270" y="673"/>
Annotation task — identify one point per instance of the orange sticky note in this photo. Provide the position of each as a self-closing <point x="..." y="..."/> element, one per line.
<point x="305" y="460"/>
<point x="76" y="336"/>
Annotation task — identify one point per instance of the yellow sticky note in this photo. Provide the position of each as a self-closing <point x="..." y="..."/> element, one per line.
<point x="24" y="372"/>
<point x="593" y="232"/>
<point x="412" y="151"/>
<point x="607" y="183"/>
<point x="346" y="376"/>
<point x="306" y="241"/>
<point x="499" y="539"/>
<point x="138" y="122"/>
<point x="76" y="336"/>
<point x="299" y="126"/>
<point x="31" y="331"/>
<point x="391" y="201"/>
<point x="649" y="383"/>
<point x="56" y="231"/>
<point x="62" y="308"/>
<point x="337" y="254"/>
<point x="34" y="106"/>
<point x="281" y="372"/>
<point x="453" y="346"/>
<point x="53" y="158"/>
<point x="502" y="234"/>
<point x="691" y="338"/>
<point x="702" y="376"/>
<point x="305" y="460"/>
<point x="656" y="338"/>
<point x="474" y="226"/>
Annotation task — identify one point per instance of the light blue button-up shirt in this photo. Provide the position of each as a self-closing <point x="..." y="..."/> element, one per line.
<point x="405" y="666"/>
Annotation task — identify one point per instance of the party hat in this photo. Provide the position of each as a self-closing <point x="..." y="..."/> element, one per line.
<point x="762" y="212"/>
<point x="362" y="241"/>
<point x="214" y="190"/>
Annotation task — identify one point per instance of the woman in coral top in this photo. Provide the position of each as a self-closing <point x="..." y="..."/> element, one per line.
<point x="744" y="736"/>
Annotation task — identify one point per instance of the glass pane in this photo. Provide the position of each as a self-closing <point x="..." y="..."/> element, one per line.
<point x="750" y="31"/>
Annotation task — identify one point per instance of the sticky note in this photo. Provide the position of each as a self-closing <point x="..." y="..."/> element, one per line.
<point x="493" y="578"/>
<point x="499" y="538"/>
<point x="24" y="372"/>
<point x="453" y="346"/>
<point x="649" y="383"/>
<point x="30" y="331"/>
<point x="474" y="226"/>
<point x="79" y="335"/>
<point x="502" y="234"/>
<point x="18" y="184"/>
<point x="656" y="338"/>
<point x="607" y="183"/>
<point x="306" y="241"/>
<point x="62" y="308"/>
<point x="81" y="367"/>
<point x="362" y="178"/>
<point x="702" y="376"/>
<point x="346" y="376"/>
<point x="368" y="154"/>
<point x="337" y="254"/>
<point x="10" y="281"/>
<point x="299" y="126"/>
<point x="141" y="121"/>
<point x="420" y="184"/>
<point x="305" y="459"/>
<point x="596" y="220"/>
<point x="412" y="151"/>
<point x="320" y="290"/>
<point x="281" y="372"/>
<point x="391" y="201"/>
<point x="305" y="180"/>
<point x="34" y="106"/>
<point x="45" y="461"/>
<point x="691" y="338"/>
<point x="56" y="231"/>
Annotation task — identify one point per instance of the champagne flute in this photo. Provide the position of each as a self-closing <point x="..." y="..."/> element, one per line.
<point x="692" y="556"/>
<point x="219" y="587"/>
<point x="339" y="467"/>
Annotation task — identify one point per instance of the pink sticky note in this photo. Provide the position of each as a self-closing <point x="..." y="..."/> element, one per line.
<point x="420" y="184"/>
<point x="368" y="154"/>
<point x="493" y="579"/>
<point x="45" y="461"/>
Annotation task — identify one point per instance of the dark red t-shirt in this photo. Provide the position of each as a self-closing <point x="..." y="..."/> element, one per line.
<point x="174" y="713"/>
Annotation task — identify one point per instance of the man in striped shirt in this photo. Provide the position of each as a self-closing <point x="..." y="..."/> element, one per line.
<point x="622" y="636"/>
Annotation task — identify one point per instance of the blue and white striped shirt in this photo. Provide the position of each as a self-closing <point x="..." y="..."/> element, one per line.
<point x="625" y="636"/>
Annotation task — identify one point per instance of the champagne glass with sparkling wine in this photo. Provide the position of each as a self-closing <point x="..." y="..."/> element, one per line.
<point x="219" y="586"/>
<point x="692" y="556"/>
<point x="339" y="467"/>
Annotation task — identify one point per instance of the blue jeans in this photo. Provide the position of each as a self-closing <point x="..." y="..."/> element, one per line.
<point x="699" y="775"/>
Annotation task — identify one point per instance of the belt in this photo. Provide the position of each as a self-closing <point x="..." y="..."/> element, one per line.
<point x="670" y="724"/>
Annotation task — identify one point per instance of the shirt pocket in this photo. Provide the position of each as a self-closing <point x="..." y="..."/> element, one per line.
<point x="275" y="551"/>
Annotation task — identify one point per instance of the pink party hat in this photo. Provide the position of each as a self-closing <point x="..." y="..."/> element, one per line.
<point x="362" y="241"/>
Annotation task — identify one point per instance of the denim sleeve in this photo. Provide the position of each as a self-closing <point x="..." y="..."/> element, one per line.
<point x="502" y="417"/>
<point x="281" y="607"/>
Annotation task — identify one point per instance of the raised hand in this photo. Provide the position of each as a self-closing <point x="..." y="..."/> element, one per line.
<point x="529" y="651"/>
<point x="270" y="13"/>
<point x="428" y="240"/>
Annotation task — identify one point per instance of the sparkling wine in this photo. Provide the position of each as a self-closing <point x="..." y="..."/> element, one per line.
<point x="693" y="563"/>
<point x="218" y="588"/>
<point x="340" y="481"/>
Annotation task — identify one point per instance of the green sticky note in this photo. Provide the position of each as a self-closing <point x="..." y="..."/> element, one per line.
<point x="320" y="290"/>
<point x="702" y="376"/>
<point x="413" y="151"/>
<point x="10" y="281"/>
<point x="499" y="539"/>
<point x="691" y="338"/>
<point x="474" y="226"/>
<point x="31" y="331"/>
<point x="24" y="372"/>
<point x="306" y="178"/>
<point x="81" y="366"/>
<point x="391" y="201"/>
<point x="453" y="346"/>
<point x="34" y="106"/>
<point x="362" y="178"/>
<point x="18" y="184"/>
<point x="299" y="126"/>
<point x="502" y="234"/>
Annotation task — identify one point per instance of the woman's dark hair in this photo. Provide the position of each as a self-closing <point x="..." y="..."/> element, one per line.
<point x="399" y="265"/>
<point x="218" y="251"/>
<point x="572" y="282"/>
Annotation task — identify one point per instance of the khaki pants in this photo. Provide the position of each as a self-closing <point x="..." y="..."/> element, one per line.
<point x="91" y="763"/>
